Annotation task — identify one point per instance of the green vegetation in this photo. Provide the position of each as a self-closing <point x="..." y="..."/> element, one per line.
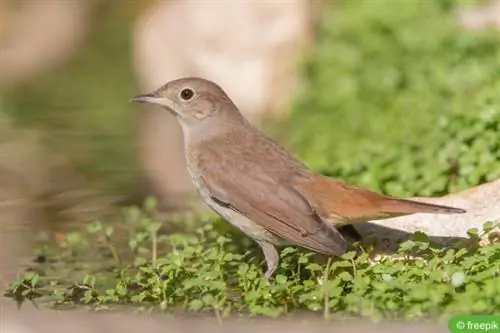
<point x="203" y="270"/>
<point x="397" y="98"/>
<point x="400" y="99"/>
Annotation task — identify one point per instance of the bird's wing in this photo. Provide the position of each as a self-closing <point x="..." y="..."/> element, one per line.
<point x="276" y="206"/>
<point x="337" y="200"/>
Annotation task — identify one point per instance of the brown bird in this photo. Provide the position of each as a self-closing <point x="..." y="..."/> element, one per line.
<point x="258" y="187"/>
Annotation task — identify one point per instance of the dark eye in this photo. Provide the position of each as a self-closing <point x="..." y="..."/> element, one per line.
<point x="187" y="94"/>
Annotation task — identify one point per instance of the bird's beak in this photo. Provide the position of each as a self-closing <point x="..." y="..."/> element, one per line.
<point x="153" y="98"/>
<point x="145" y="98"/>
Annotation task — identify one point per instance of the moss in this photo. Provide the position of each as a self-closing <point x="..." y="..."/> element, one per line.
<point x="203" y="270"/>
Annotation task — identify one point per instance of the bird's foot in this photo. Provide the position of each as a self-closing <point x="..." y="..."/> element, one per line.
<point x="271" y="256"/>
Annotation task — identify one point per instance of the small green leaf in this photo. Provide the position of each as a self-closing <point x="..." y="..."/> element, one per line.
<point x="474" y="232"/>
<point x="488" y="226"/>
<point x="458" y="279"/>
<point x="314" y="267"/>
<point x="386" y="277"/>
<point x="94" y="227"/>
<point x="281" y="279"/>
<point x="251" y="296"/>
<point x="349" y="255"/>
<point x="109" y="231"/>
<point x="195" y="305"/>
<point x="150" y="204"/>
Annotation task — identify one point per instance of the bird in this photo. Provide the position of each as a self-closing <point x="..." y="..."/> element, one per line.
<point x="259" y="187"/>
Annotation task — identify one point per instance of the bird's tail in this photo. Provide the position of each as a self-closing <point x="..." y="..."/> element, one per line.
<point x="406" y="206"/>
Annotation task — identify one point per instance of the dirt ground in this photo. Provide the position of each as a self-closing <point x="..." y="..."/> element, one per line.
<point x="33" y="320"/>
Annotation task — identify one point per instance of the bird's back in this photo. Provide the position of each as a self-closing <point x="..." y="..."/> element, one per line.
<point x="250" y="151"/>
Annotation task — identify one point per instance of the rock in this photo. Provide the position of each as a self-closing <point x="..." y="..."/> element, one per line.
<point x="480" y="17"/>
<point x="38" y="36"/>
<point x="481" y="202"/>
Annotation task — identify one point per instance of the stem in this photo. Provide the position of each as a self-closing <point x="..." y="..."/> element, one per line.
<point x="218" y="316"/>
<point x="154" y="250"/>
<point x="112" y="249"/>
<point x="326" y="297"/>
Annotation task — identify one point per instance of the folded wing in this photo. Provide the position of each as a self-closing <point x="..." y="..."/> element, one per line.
<point x="275" y="205"/>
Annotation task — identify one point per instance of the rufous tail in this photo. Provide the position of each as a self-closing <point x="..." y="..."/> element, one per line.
<point x="405" y="206"/>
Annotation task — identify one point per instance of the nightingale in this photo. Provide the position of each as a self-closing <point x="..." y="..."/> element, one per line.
<point x="261" y="189"/>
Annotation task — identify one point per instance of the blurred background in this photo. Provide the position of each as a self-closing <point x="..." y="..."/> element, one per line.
<point x="398" y="96"/>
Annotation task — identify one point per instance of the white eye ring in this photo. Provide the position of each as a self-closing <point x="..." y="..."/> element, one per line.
<point x="186" y="94"/>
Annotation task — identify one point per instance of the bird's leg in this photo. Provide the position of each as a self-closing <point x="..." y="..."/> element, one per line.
<point x="351" y="232"/>
<point x="271" y="256"/>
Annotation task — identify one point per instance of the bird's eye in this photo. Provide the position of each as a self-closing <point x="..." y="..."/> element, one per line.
<point x="187" y="94"/>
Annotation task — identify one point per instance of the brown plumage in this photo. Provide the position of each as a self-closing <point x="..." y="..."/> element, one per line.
<point x="253" y="176"/>
<point x="258" y="186"/>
